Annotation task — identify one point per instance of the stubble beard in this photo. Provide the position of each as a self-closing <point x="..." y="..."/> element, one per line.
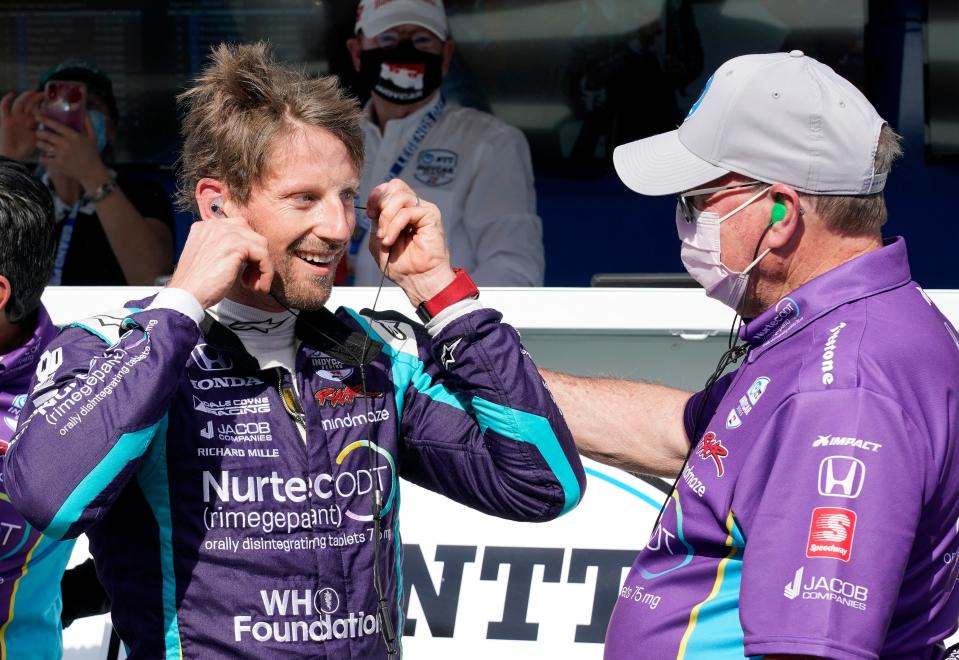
<point x="304" y="293"/>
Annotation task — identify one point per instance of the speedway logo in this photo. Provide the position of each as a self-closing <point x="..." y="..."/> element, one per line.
<point x="232" y="407"/>
<point x="831" y="532"/>
<point x="317" y="620"/>
<point x="205" y="384"/>
<point x="823" y="588"/>
<point x="343" y="396"/>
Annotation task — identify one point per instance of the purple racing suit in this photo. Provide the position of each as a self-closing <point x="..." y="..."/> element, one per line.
<point x="219" y="532"/>
<point x="31" y="563"/>
<point x="819" y="510"/>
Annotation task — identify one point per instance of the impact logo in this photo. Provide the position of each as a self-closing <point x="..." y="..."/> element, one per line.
<point x="711" y="447"/>
<point x="307" y="615"/>
<point x="831" y="532"/>
<point x="843" y="441"/>
<point x="786" y="311"/>
<point x="343" y="396"/>
<point x="436" y="167"/>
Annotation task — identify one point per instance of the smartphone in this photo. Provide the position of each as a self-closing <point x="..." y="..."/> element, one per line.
<point x="66" y="102"/>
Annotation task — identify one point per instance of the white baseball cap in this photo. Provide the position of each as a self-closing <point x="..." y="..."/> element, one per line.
<point x="778" y="118"/>
<point x="376" y="16"/>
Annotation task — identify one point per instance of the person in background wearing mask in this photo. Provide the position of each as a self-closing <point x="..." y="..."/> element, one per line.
<point x="111" y="230"/>
<point x="475" y="167"/>
<point x="815" y="507"/>
<point x="31" y="563"/>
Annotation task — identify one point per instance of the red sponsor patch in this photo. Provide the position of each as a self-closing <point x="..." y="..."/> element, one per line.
<point x="342" y="396"/>
<point x="711" y="447"/>
<point x="831" y="531"/>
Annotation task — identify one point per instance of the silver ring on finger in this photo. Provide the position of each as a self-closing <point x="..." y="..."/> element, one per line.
<point x="417" y="200"/>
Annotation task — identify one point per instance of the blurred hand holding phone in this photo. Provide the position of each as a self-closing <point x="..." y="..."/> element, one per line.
<point x="66" y="102"/>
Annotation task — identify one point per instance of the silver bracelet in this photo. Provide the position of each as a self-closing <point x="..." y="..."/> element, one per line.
<point x="103" y="191"/>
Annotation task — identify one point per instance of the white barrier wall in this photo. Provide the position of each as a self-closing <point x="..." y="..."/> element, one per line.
<point x="480" y="587"/>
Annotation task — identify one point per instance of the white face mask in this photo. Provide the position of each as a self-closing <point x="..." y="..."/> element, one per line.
<point x="701" y="254"/>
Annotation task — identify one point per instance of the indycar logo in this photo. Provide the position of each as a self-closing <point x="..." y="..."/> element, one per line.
<point x="711" y="447"/>
<point x="343" y="396"/>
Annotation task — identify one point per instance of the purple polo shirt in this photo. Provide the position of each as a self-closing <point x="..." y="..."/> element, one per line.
<point x="819" y="510"/>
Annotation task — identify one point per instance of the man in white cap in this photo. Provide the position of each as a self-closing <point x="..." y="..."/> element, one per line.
<point x="475" y="167"/>
<point x="815" y="507"/>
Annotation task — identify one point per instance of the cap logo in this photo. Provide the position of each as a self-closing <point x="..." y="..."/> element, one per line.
<point x="700" y="99"/>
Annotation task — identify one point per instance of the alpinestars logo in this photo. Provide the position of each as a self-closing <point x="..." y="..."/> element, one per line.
<point x="711" y="447"/>
<point x="447" y="357"/>
<point x="264" y="326"/>
<point x="343" y="396"/>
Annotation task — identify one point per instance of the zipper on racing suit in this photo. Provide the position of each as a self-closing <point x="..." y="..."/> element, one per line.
<point x="291" y="400"/>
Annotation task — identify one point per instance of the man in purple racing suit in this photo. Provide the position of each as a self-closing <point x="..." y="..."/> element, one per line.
<point x="816" y="506"/>
<point x="31" y="563"/>
<point x="231" y="447"/>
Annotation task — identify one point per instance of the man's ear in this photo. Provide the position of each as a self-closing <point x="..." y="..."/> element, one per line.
<point x="5" y="294"/>
<point x="785" y="215"/>
<point x="210" y="192"/>
<point x="448" y="47"/>
<point x="353" y="45"/>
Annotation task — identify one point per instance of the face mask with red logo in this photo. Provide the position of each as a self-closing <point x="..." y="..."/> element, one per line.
<point x="401" y="74"/>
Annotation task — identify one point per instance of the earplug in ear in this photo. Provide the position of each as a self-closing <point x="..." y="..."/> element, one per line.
<point x="217" y="207"/>
<point x="779" y="212"/>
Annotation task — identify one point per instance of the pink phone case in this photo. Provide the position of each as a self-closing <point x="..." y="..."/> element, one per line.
<point x="66" y="102"/>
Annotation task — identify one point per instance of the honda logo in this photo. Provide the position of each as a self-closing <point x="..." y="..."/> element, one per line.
<point x="210" y="359"/>
<point x="841" y="476"/>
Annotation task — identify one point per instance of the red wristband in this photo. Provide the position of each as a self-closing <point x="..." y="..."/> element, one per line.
<point x="461" y="288"/>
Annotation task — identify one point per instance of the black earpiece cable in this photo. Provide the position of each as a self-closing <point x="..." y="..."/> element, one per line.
<point x="382" y="606"/>
<point x="734" y="352"/>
